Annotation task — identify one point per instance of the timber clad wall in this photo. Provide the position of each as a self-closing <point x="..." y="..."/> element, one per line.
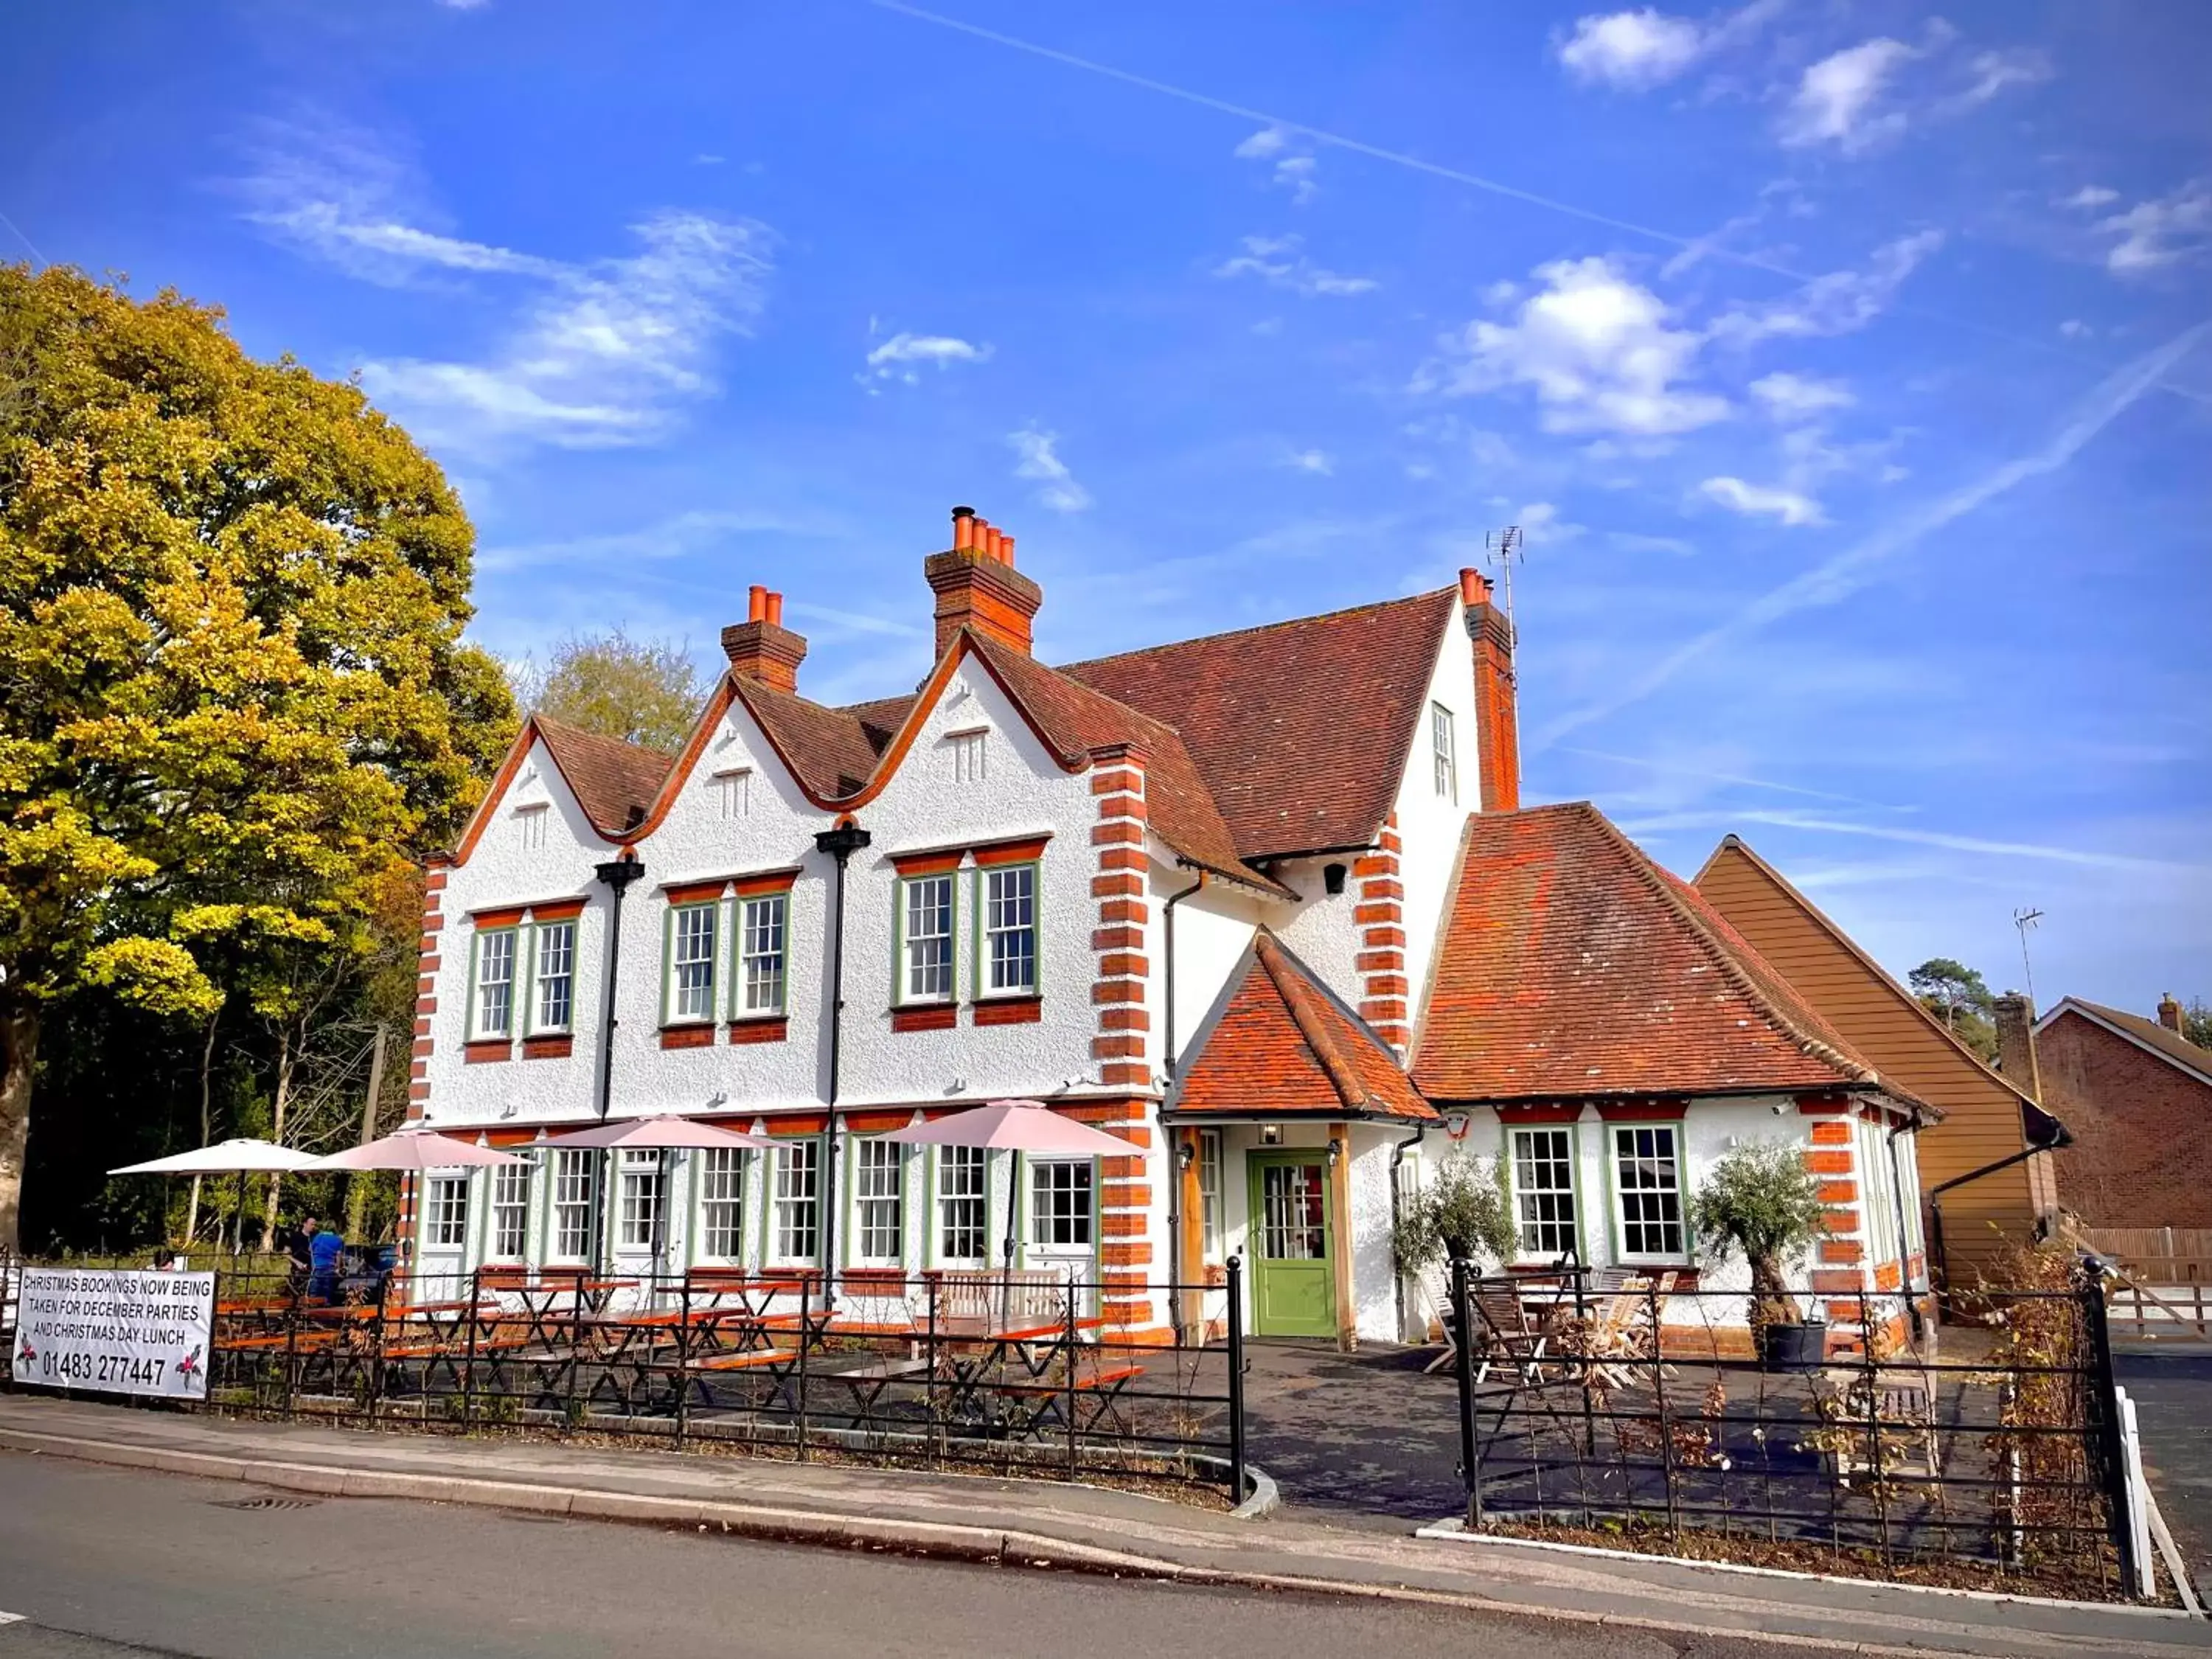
<point x="2142" y="1128"/>
<point x="1981" y="1116"/>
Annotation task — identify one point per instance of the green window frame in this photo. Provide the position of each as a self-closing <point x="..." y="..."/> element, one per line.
<point x="688" y="973"/>
<point x="1008" y="955"/>
<point x="507" y="1223"/>
<point x="927" y="977"/>
<point x="572" y="1193"/>
<point x="759" y="985"/>
<point x="960" y="1208"/>
<point x="785" y="1212"/>
<point x="551" y="992"/>
<point x="875" y="1202"/>
<point x="1639" y="1165"/>
<point x="722" y="1173"/>
<point x="494" y="976"/>
<point x="1547" y="1217"/>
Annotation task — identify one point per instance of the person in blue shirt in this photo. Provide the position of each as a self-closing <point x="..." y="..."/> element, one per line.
<point x="325" y="1248"/>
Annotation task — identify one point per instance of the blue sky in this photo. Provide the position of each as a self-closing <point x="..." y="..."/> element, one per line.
<point x="1844" y="364"/>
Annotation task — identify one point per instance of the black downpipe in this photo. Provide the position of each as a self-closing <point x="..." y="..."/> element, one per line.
<point x="840" y="843"/>
<point x="618" y="874"/>
<point x="2046" y="1135"/>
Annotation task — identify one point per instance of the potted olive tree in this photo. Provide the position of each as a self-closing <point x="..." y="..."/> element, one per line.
<point x="1760" y="1200"/>
<point x="1463" y="1213"/>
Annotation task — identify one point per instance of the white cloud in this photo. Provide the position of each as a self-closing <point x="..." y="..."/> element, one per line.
<point x="2159" y="232"/>
<point x="1837" y="303"/>
<point x="1317" y="461"/>
<point x="463" y="5"/>
<point x="1541" y="524"/>
<point x="2074" y="328"/>
<point x="1632" y="48"/>
<point x="1800" y="398"/>
<point x="1600" y="351"/>
<point x="1994" y="71"/>
<point x="2090" y="196"/>
<point x="1294" y="168"/>
<point x="1281" y="262"/>
<point x="903" y="355"/>
<point x="1037" y="457"/>
<point x="599" y="354"/>
<point x="1836" y="98"/>
<point x="1760" y="500"/>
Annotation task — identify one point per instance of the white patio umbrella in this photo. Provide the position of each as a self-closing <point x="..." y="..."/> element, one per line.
<point x="240" y="1157"/>
<point x="413" y="1150"/>
<point x="1015" y="1127"/>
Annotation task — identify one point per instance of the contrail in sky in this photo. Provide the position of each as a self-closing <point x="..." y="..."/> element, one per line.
<point x="2025" y="849"/>
<point x="1848" y="571"/>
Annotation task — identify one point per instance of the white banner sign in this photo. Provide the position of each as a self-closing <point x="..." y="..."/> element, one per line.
<point x="124" y="1332"/>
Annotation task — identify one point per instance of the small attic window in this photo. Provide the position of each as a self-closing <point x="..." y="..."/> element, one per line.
<point x="1332" y="878"/>
<point x="733" y="791"/>
<point x="532" y="819"/>
<point x="971" y="755"/>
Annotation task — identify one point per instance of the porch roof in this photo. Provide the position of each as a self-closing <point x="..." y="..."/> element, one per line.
<point x="1277" y="1043"/>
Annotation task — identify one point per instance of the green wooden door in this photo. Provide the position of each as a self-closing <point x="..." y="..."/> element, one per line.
<point x="1293" y="1284"/>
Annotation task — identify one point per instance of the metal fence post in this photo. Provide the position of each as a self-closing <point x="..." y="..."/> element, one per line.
<point x="469" y="1362"/>
<point x="2105" y="1401"/>
<point x="683" y="1359"/>
<point x="1236" y="1377"/>
<point x="1068" y="1364"/>
<point x="1470" y="1460"/>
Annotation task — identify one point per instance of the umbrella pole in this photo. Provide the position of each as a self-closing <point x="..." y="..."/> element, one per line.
<point x="1013" y="1224"/>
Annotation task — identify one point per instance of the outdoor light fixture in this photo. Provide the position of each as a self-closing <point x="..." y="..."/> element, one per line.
<point x="1335" y="1151"/>
<point x="1186" y="1155"/>
<point x="1271" y="1134"/>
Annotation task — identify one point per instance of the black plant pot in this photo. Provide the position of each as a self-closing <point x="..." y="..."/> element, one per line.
<point x="1795" y="1347"/>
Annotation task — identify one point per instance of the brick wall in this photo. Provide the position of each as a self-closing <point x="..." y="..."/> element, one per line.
<point x="1380" y="916"/>
<point x="2142" y="1129"/>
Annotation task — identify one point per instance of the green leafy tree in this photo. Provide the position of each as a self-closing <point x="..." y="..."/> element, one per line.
<point x="643" y="691"/>
<point x="234" y="692"/>
<point x="1956" y="995"/>
<point x="1464" y="1213"/>
<point x="1760" y="1202"/>
<point x="2196" y="1022"/>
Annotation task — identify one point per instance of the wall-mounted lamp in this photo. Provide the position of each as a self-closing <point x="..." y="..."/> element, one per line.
<point x="1335" y="1151"/>
<point x="1186" y="1155"/>
<point x="1271" y="1134"/>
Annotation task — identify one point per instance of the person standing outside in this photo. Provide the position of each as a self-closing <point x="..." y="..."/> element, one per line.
<point x="325" y="1247"/>
<point x="299" y="1251"/>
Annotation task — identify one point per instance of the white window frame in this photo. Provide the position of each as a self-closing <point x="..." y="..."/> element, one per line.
<point x="1526" y="1223"/>
<point x="544" y="935"/>
<point x="509" y="1213"/>
<point x="1049" y="1180"/>
<point x="642" y="1183"/>
<point x="991" y="907"/>
<point x="446" y="1212"/>
<point x="1213" y="1220"/>
<point x="1681" y="1190"/>
<point x="910" y="967"/>
<point x="761" y="984"/>
<point x="679" y="916"/>
<point x="571" y="1193"/>
<point x="722" y="1174"/>
<point x="786" y="1206"/>
<point x="493" y="946"/>
<point x="1443" y="744"/>
<point x="963" y="1206"/>
<point x="879" y="1211"/>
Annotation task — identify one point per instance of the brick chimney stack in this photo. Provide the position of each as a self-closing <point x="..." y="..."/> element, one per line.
<point x="978" y="587"/>
<point x="1497" y="714"/>
<point x="2169" y="1014"/>
<point x="761" y="648"/>
<point x="2015" y="1022"/>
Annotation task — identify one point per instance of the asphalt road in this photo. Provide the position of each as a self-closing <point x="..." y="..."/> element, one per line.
<point x="98" y="1563"/>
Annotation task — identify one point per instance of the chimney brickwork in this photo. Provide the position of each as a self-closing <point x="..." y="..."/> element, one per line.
<point x="761" y="648"/>
<point x="2169" y="1014"/>
<point x="978" y="587"/>
<point x="2014" y="1016"/>
<point x="1497" y="716"/>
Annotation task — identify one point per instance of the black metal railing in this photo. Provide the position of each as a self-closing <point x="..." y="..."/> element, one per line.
<point x="1016" y="1373"/>
<point x="1632" y="1413"/>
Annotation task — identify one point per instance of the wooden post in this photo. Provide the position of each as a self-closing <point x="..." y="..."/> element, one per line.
<point x="1339" y="1235"/>
<point x="1190" y="1297"/>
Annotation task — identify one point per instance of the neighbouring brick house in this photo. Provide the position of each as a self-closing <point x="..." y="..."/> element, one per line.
<point x="1222" y="898"/>
<point x="1987" y="1119"/>
<point x="2137" y="1096"/>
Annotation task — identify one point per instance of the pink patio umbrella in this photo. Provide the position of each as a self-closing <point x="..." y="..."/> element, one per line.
<point x="663" y="1133"/>
<point x="1015" y="1127"/>
<point x="413" y="1150"/>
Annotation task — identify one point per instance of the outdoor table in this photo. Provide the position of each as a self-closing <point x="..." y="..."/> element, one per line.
<point x="969" y="1352"/>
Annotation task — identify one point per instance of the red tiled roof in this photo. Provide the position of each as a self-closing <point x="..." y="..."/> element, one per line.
<point x="1573" y="966"/>
<point x="1280" y="1045"/>
<point x="1301" y="729"/>
<point x="829" y="748"/>
<point x="613" y="782"/>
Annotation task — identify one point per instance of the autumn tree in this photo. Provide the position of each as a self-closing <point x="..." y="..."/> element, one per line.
<point x="644" y="692"/>
<point x="234" y="692"/>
